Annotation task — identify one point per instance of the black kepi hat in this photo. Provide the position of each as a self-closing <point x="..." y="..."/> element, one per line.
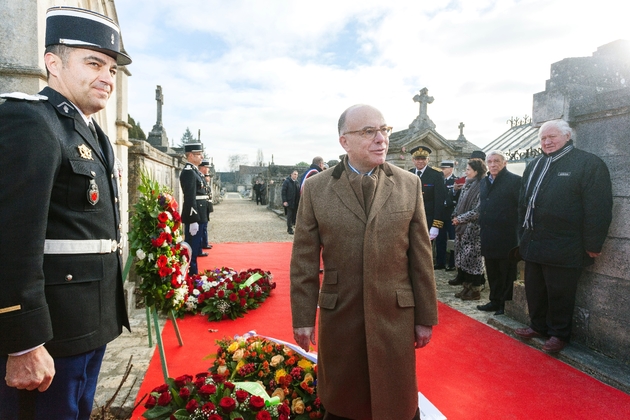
<point x="205" y="162"/>
<point x="421" y="152"/>
<point x="82" y="28"/>
<point x="193" y="147"/>
<point x="447" y="164"/>
<point x="478" y="154"/>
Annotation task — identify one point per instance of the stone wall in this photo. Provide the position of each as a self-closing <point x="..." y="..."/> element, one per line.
<point x="593" y="95"/>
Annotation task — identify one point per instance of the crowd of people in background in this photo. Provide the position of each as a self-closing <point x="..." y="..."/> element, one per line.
<point x="487" y="213"/>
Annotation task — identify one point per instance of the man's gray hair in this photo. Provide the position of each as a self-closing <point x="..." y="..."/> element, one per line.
<point x="561" y="125"/>
<point x="318" y="160"/>
<point x="496" y="153"/>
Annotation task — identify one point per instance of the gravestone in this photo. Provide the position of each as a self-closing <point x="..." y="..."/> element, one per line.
<point x="157" y="137"/>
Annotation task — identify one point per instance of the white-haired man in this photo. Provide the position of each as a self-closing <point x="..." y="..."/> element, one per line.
<point x="498" y="220"/>
<point x="565" y="210"/>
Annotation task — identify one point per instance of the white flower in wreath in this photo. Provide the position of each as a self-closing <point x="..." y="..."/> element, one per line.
<point x="140" y="254"/>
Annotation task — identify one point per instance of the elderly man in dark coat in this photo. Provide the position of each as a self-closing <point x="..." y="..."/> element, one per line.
<point x="566" y="209"/>
<point x="498" y="219"/>
<point x="377" y="299"/>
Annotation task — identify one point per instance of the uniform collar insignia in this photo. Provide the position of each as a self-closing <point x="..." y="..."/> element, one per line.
<point x="85" y="152"/>
<point x="66" y="106"/>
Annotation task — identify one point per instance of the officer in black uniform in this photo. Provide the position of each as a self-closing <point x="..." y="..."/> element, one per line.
<point x="194" y="210"/>
<point x="433" y="189"/>
<point x="204" y="168"/>
<point x="448" y="230"/>
<point x="62" y="295"/>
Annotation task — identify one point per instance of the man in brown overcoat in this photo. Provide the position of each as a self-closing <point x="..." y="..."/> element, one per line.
<point x="378" y="295"/>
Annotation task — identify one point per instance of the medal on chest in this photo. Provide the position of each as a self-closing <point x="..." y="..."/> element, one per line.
<point x="92" y="193"/>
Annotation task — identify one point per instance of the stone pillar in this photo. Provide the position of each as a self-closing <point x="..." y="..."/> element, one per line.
<point x="593" y="95"/>
<point x="21" y="47"/>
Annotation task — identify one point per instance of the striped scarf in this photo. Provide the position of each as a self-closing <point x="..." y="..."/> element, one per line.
<point x="536" y="178"/>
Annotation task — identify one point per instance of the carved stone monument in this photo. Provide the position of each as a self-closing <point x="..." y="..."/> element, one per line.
<point x="157" y="137"/>
<point x="422" y="132"/>
<point x="422" y="121"/>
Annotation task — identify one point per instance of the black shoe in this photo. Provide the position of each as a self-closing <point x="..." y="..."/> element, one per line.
<point x="290" y="232"/>
<point x="207" y="247"/>
<point x="456" y="281"/>
<point x="450" y="269"/>
<point x="439" y="267"/>
<point x="203" y="254"/>
<point x="488" y="307"/>
<point x="501" y="311"/>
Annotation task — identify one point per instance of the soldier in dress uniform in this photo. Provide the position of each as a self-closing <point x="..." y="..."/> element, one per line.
<point x="433" y="189"/>
<point x="62" y="295"/>
<point x="448" y="230"/>
<point x="194" y="210"/>
<point x="204" y="168"/>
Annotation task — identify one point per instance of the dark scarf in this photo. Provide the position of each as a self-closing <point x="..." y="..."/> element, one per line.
<point x="536" y="178"/>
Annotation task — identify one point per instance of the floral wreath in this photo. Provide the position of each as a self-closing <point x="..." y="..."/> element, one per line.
<point x="156" y="240"/>
<point x="252" y="377"/>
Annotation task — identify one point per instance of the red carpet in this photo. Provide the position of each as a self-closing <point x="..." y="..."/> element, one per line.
<point x="469" y="371"/>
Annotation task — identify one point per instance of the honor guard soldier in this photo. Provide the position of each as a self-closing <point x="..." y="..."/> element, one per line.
<point x="433" y="189"/>
<point x="62" y="295"/>
<point x="448" y="230"/>
<point x="204" y="168"/>
<point x="195" y="206"/>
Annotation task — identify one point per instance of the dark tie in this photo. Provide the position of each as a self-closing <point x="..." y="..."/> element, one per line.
<point x="93" y="130"/>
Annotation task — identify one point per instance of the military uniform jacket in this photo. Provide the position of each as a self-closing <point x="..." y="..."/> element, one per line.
<point x="56" y="184"/>
<point x="434" y="195"/>
<point x="451" y="197"/>
<point x="193" y="185"/>
<point x="378" y="283"/>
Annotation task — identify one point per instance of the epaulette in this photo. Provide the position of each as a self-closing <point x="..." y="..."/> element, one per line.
<point x="24" y="96"/>
<point x="188" y="166"/>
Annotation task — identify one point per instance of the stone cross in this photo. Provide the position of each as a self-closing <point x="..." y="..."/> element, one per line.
<point x="461" y="128"/>
<point x="424" y="99"/>
<point x="160" y="101"/>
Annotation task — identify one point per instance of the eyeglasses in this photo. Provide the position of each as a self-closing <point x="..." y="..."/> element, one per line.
<point x="370" y="132"/>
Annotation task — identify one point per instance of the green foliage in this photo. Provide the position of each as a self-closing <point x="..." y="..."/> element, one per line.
<point x="135" y="132"/>
<point x="187" y="138"/>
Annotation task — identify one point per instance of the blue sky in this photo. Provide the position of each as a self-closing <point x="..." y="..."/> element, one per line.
<point x="275" y="75"/>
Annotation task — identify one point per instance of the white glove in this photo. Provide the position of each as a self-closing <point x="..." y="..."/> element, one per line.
<point x="433" y="233"/>
<point x="193" y="228"/>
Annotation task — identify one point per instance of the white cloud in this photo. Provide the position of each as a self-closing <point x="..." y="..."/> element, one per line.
<point x="276" y="75"/>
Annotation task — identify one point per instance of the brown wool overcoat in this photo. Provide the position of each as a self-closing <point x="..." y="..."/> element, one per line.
<point x="378" y="283"/>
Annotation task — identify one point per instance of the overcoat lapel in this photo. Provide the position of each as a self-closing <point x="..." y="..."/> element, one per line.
<point x="347" y="196"/>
